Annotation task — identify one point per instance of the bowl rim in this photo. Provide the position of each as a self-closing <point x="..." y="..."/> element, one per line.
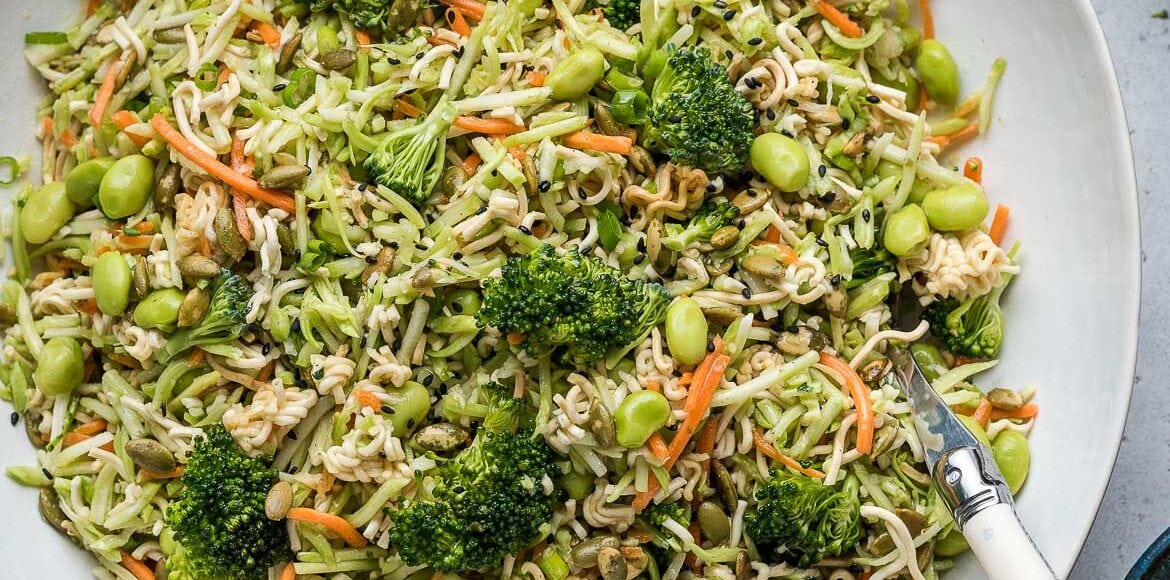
<point x="1128" y="198"/>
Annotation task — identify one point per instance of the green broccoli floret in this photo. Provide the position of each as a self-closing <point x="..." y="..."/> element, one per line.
<point x="623" y="14"/>
<point x="224" y="321"/>
<point x="570" y="301"/>
<point x="801" y="520"/>
<point x="973" y="327"/>
<point x="218" y="518"/>
<point x="869" y="264"/>
<point x="491" y="403"/>
<point x="389" y="16"/>
<point x="696" y="115"/>
<point x="712" y="215"/>
<point x="488" y="502"/>
<point x="410" y="161"/>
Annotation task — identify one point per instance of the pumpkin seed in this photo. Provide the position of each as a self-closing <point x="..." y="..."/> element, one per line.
<point x="765" y="266"/>
<point x="750" y="200"/>
<point x="193" y="307"/>
<point x="402" y="15"/>
<point x="339" y="59"/>
<point x="915" y="522"/>
<point x="605" y="121"/>
<point x="714" y="523"/>
<point x="531" y="177"/>
<point x="611" y="564"/>
<point x="743" y="567"/>
<point x="724" y="486"/>
<point x="1005" y="399"/>
<point x="139" y="277"/>
<point x="286" y="53"/>
<point x="716" y="269"/>
<point x="382" y="264"/>
<point x="150" y="455"/>
<point x="174" y="35"/>
<point x="423" y="280"/>
<point x="47" y="504"/>
<point x="884" y="439"/>
<point x="227" y="237"/>
<point x="584" y="555"/>
<point x="724" y="237"/>
<point x="7" y="315"/>
<point x="642" y="161"/>
<point x="875" y="370"/>
<point x="170" y="180"/>
<point x="801" y="341"/>
<point x="881" y="545"/>
<point x="441" y="437"/>
<point x="601" y="424"/>
<point x="285" y="238"/>
<point x="198" y="267"/>
<point x="31" y="421"/>
<point x="453" y="178"/>
<point x="837" y="301"/>
<point x="278" y="501"/>
<point x="284" y="177"/>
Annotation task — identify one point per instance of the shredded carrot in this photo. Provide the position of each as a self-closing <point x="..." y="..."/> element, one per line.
<point x="436" y="41"/>
<point x="92" y="6"/>
<point x="982" y="413"/>
<point x="91" y="428"/>
<point x="124" y="119"/>
<point x="128" y="242"/>
<point x="535" y="78"/>
<point x="706" y="441"/>
<point x="367" y="399"/>
<point x="927" y="19"/>
<point x="68" y="138"/>
<point x="196" y="357"/>
<point x="46" y="127"/>
<point x="838" y="19"/>
<point x="945" y="141"/>
<point x="334" y="523"/>
<point x="653" y="385"/>
<point x="406" y="108"/>
<point x="172" y="474"/>
<point x="458" y="22"/>
<point x="515" y="338"/>
<point x="73" y="438"/>
<point x="88" y="306"/>
<point x="102" y="99"/>
<point x="973" y="169"/>
<point x="999" y="224"/>
<point x="692" y="561"/>
<point x="517" y="153"/>
<point x="289" y="572"/>
<point x="470" y="8"/>
<point x="362" y="37"/>
<point x="596" y="142"/>
<point x="968" y="106"/>
<point x="243" y="184"/>
<point x="268" y="33"/>
<point x="487" y="126"/>
<point x="136" y="567"/>
<point x="764" y="446"/>
<point x="470" y="164"/>
<point x="243" y="224"/>
<point x="657" y="446"/>
<point x="1025" y="412"/>
<point x="861" y="403"/>
<point x="772" y="236"/>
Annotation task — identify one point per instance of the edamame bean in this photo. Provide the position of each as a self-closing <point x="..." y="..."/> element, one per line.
<point x="1011" y="453"/>
<point x="686" y="331"/>
<point x="906" y="231"/>
<point x="939" y="72"/>
<point x="929" y="359"/>
<point x="126" y="187"/>
<point x="45" y="211"/>
<point x="111" y="283"/>
<point x="638" y="416"/>
<point x="574" y="77"/>
<point x="82" y="182"/>
<point x="160" y="309"/>
<point x="60" y="367"/>
<point x="781" y="160"/>
<point x="961" y="207"/>
<point x="410" y="404"/>
<point x="577" y="485"/>
<point x="952" y="544"/>
<point x="975" y="428"/>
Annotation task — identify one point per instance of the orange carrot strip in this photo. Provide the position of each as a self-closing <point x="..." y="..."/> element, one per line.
<point x="535" y="78"/>
<point x="367" y="399"/>
<point x="92" y="6"/>
<point x="172" y="474"/>
<point x="406" y="108"/>
<point x="436" y="41"/>
<point x="1025" y="412"/>
<point x="838" y="19"/>
<point x="927" y="19"/>
<point x="470" y="8"/>
<point x="706" y="441"/>
<point x="289" y="572"/>
<point x="607" y="143"/>
<point x="73" y="438"/>
<point x="46" y="127"/>
<point x="999" y="224"/>
<point x="91" y="428"/>
<point x="518" y="153"/>
<point x="362" y="37"/>
<point x="861" y="403"/>
<point x="764" y="446"/>
<point x="487" y="126"/>
<point x="124" y="119"/>
<point x="772" y="236"/>
<point x="243" y="224"/>
<point x="982" y="413"/>
<point x="470" y="164"/>
<point x="136" y="567"/>
<point x="458" y="22"/>
<point x="692" y="561"/>
<point x="241" y="183"/>
<point x="268" y="33"/>
<point x="657" y="447"/>
<point x="68" y="138"/>
<point x="945" y="141"/>
<point x="334" y="523"/>
<point x="102" y="99"/>
<point x="654" y="386"/>
<point x="973" y="169"/>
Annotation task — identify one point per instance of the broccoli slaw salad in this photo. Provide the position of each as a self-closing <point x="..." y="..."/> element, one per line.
<point x="509" y="289"/>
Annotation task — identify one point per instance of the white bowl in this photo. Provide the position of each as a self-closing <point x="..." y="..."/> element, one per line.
<point x="1058" y="154"/>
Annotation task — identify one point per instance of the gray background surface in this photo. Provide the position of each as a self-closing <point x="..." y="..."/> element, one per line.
<point x="1137" y="504"/>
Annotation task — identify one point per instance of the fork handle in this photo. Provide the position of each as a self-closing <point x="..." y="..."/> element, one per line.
<point x="1003" y="547"/>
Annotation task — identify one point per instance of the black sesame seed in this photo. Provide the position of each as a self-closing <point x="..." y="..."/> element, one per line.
<point x="585" y="249"/>
<point x="280" y="87"/>
<point x="865" y="215"/>
<point x="728" y="53"/>
<point x="786" y="133"/>
<point x="836" y="279"/>
<point x="410" y="423"/>
<point x="292" y="470"/>
<point x="420" y="247"/>
<point x="695" y="12"/>
<point x="753" y="192"/>
<point x="822" y="243"/>
<point x="296" y="325"/>
<point x="581" y="194"/>
<point x="481" y="210"/>
<point x="394" y="61"/>
<point x="393" y="245"/>
<point x="729" y="15"/>
<point x="710" y="188"/>
<point x="363" y="186"/>
<point x="319" y="374"/>
<point x="641" y="244"/>
<point x="740" y="224"/>
<point x="458" y="52"/>
<point x="363" y="342"/>
<point x="746" y="292"/>
<point x="524" y="230"/>
<point x="793" y="103"/>
<point x="873" y="99"/>
<point x="710" y="346"/>
<point x="503" y="66"/>
<point x="770" y="114"/>
<point x="420" y="55"/>
<point x="675" y="119"/>
<point x="371" y="259"/>
<point x="755" y="41"/>
<point x="427" y="380"/>
<point x="292" y="435"/>
<point x="846" y="124"/>
<point x="457" y="256"/>
<point x="457" y="489"/>
<point x="639" y="259"/>
<point x="545" y="185"/>
<point x="46" y="472"/>
<point x="457" y="307"/>
<point x="822" y="170"/>
<point x="793" y="328"/>
<point x="388" y="409"/>
<point x="828" y="197"/>
<point x="267" y="348"/>
<point x="14" y="418"/>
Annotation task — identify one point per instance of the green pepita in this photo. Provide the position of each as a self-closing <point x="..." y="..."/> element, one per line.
<point x="150" y="455"/>
<point x="227" y="237"/>
<point x="284" y="177"/>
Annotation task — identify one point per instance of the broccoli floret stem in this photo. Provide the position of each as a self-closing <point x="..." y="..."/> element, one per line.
<point x="410" y="161"/>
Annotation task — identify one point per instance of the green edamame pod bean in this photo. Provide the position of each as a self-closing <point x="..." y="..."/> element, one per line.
<point x="60" y="366"/>
<point x="410" y="403"/>
<point x="126" y="187"/>
<point x="781" y="160"/>
<point x="952" y="544"/>
<point x="577" y="485"/>
<point x="45" y="211"/>
<point x="976" y="429"/>
<point x="957" y="208"/>
<point x="111" y="283"/>
<point x="918" y="191"/>
<point x="940" y="74"/>
<point x="929" y="359"/>
<point x="906" y="231"/>
<point x="82" y="182"/>
<point x="638" y="416"/>
<point x="1011" y="453"/>
<point x="686" y="331"/>
<point x="160" y="309"/>
<point x="575" y="76"/>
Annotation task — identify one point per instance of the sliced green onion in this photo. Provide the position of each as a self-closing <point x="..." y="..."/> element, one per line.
<point x="14" y="172"/>
<point x="46" y="38"/>
<point x="631" y="106"/>
<point x="299" y="87"/>
<point x="206" y="77"/>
